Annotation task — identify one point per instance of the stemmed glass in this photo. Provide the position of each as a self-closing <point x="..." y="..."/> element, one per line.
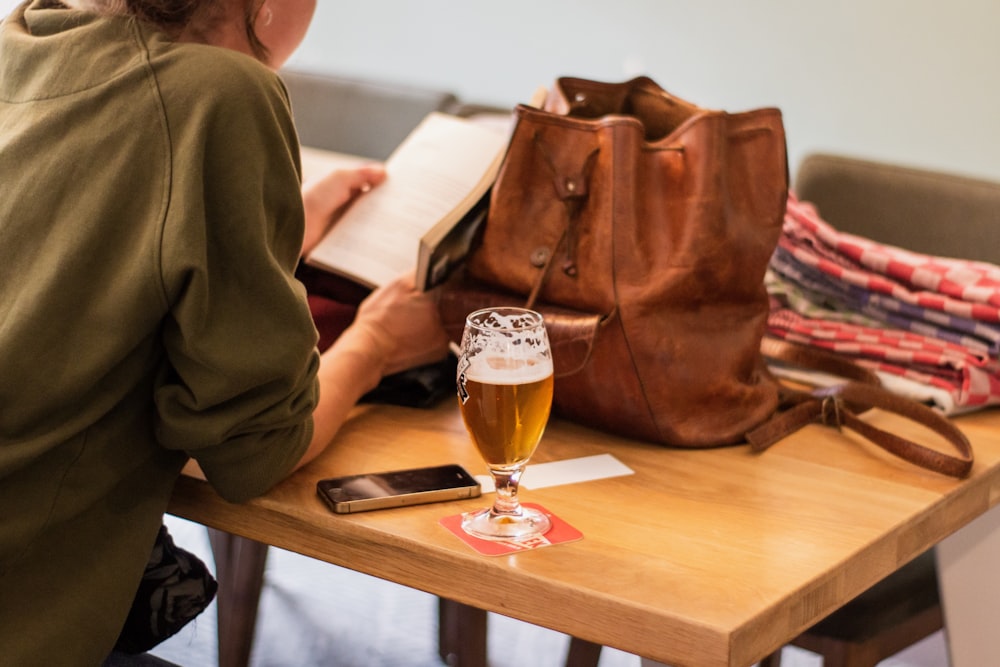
<point x="505" y="395"/>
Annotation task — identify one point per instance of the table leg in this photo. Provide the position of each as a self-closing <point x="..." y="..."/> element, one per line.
<point x="583" y="653"/>
<point x="970" y="587"/>
<point x="239" y="566"/>
<point x="461" y="634"/>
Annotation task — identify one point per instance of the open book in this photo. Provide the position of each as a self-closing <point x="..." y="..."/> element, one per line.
<point x="424" y="216"/>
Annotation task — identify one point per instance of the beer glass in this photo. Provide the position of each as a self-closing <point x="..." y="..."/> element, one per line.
<point x="505" y="395"/>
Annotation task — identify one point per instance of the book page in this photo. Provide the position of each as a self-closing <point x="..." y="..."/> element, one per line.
<point x="318" y="162"/>
<point x="439" y="172"/>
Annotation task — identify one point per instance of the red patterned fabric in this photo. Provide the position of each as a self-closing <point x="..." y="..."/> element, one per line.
<point x="960" y="287"/>
<point x="932" y="290"/>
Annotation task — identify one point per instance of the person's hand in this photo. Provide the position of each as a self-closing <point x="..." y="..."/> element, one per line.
<point x="404" y="324"/>
<point x="324" y="197"/>
<point x="396" y="328"/>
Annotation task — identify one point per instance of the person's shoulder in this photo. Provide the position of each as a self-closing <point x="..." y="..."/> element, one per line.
<point x="218" y="73"/>
<point x="209" y="90"/>
<point x="201" y="74"/>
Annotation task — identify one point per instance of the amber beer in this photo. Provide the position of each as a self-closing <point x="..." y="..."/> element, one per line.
<point x="505" y="393"/>
<point x="506" y="408"/>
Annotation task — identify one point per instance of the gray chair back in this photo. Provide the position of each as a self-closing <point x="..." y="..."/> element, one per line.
<point x="355" y="116"/>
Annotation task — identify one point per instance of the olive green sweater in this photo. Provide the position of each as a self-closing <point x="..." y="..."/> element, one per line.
<point x="150" y="223"/>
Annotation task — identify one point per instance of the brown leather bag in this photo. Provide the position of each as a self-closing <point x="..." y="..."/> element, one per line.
<point x="640" y="225"/>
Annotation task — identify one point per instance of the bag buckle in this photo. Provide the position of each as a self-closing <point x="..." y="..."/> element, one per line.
<point x="830" y="410"/>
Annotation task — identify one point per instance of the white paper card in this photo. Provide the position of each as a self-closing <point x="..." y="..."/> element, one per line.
<point x="570" y="471"/>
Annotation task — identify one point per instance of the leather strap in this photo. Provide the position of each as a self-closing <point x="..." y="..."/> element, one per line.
<point x="840" y="405"/>
<point x="815" y="359"/>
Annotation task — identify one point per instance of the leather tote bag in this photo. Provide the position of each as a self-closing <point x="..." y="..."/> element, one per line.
<point x="640" y="225"/>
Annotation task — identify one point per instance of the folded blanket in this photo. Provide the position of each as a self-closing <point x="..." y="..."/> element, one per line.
<point x="959" y="287"/>
<point x="969" y="379"/>
<point x="925" y="320"/>
<point x="861" y="305"/>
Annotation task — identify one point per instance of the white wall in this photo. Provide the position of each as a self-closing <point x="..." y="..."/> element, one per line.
<point x="910" y="81"/>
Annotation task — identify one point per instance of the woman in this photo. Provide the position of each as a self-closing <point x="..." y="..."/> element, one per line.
<point x="150" y="224"/>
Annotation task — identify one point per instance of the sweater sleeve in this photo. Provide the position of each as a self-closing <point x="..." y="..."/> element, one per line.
<point x="240" y="340"/>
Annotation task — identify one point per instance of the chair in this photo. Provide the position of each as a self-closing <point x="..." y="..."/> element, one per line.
<point x="892" y="615"/>
<point x="924" y="211"/>
<point x="932" y="213"/>
<point x="119" y="659"/>
<point x="356" y="116"/>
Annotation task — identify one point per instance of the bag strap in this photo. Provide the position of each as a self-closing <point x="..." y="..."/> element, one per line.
<point x="839" y="406"/>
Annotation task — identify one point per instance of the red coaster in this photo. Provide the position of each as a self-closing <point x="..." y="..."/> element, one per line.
<point x="559" y="533"/>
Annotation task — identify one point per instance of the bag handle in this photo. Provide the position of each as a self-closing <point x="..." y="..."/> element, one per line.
<point x="839" y="406"/>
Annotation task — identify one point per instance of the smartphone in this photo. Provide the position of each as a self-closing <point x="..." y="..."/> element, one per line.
<point x="397" y="488"/>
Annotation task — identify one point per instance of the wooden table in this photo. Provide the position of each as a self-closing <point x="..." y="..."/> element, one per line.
<point x="709" y="557"/>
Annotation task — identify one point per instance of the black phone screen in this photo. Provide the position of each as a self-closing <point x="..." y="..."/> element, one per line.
<point x="354" y="493"/>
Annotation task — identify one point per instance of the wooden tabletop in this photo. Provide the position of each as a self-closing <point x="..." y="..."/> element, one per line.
<point x="702" y="557"/>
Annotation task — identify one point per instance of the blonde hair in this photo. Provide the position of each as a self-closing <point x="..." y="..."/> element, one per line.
<point x="176" y="16"/>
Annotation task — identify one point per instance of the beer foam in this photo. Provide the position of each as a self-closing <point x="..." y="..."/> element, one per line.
<point x="503" y="370"/>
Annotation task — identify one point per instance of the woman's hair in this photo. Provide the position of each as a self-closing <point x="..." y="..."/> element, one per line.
<point x="176" y="16"/>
